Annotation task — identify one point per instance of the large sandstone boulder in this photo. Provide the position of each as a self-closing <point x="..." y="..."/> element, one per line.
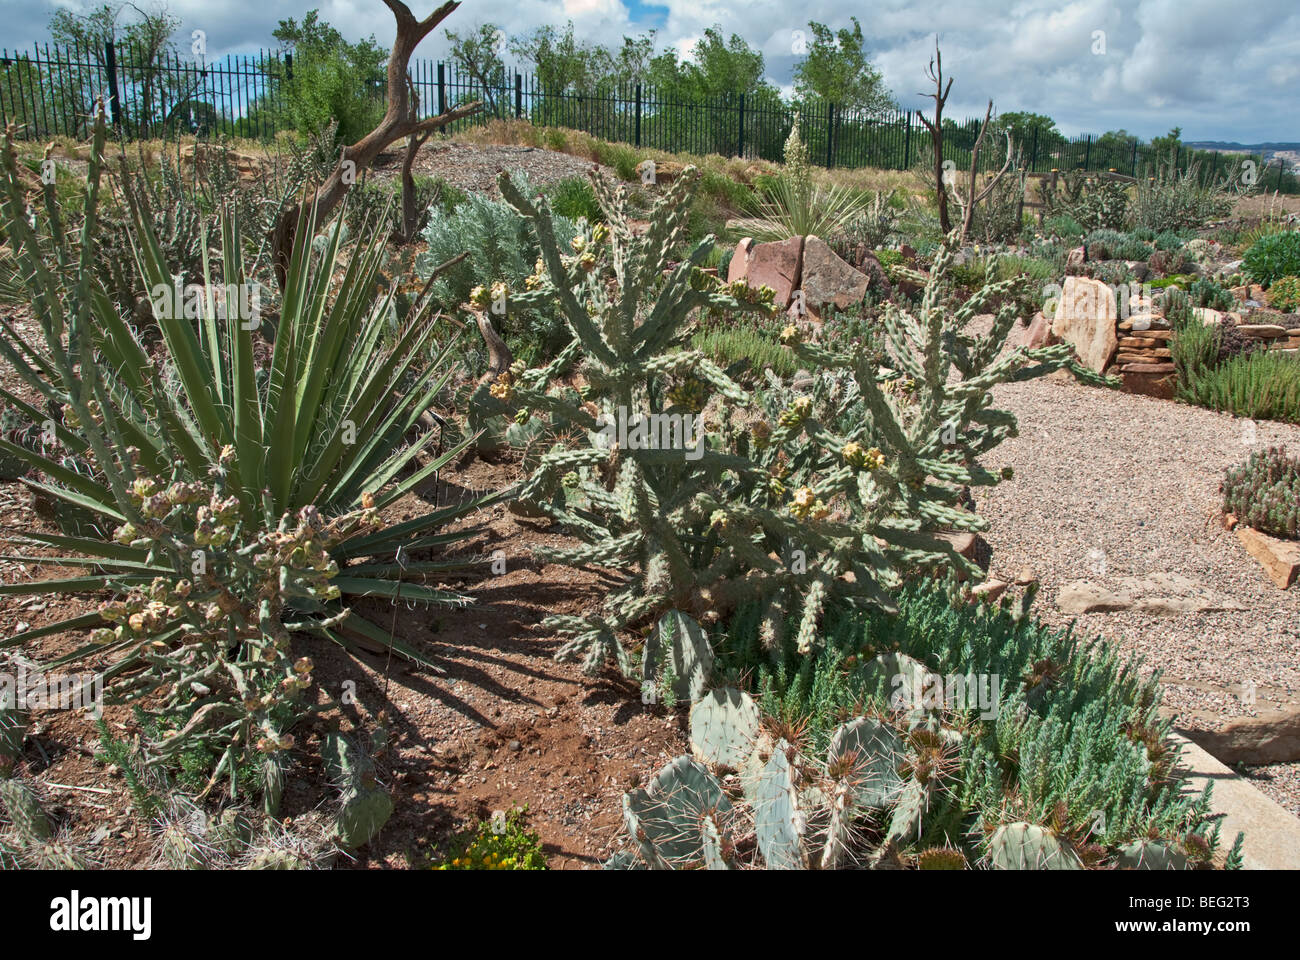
<point x="1085" y="319"/>
<point x="777" y="265"/>
<point x="826" y="279"/>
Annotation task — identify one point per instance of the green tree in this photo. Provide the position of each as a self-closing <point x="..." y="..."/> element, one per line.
<point x="1166" y="148"/>
<point x="838" y="70"/>
<point x="1031" y="132"/>
<point x="632" y="62"/>
<point x="332" y="79"/>
<point x="477" y="53"/>
<point x="567" y="71"/>
<point x="150" y="95"/>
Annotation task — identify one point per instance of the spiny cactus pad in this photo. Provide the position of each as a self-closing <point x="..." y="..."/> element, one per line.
<point x="682" y="641"/>
<point x="1150" y="855"/>
<point x="1026" y="846"/>
<point x="724" y="728"/>
<point x="779" y="822"/>
<point x="665" y="818"/>
<point x="869" y="753"/>
<point x="362" y="815"/>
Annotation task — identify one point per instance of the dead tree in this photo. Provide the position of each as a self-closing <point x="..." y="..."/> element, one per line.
<point x="399" y="121"/>
<point x="411" y="216"/>
<point x="940" y="97"/>
<point x="974" y="196"/>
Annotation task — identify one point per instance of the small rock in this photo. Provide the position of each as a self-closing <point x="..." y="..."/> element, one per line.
<point x="515" y="746"/>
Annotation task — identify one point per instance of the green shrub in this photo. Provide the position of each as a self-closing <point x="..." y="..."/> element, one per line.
<point x="1063" y="226"/>
<point x="556" y="139"/>
<point x="1264" y="385"/>
<point x="326" y="87"/>
<point x="889" y="258"/>
<point x="573" y="199"/>
<point x="1174" y="200"/>
<point x="751" y="342"/>
<point x="1103" y="243"/>
<point x="1204" y="292"/>
<point x="1284" y="294"/>
<point x="1170" y="240"/>
<point x="1264" y="492"/>
<point x="503" y="250"/>
<point x="1273" y="257"/>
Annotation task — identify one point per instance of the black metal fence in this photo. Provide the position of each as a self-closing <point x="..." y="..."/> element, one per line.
<point x="51" y="91"/>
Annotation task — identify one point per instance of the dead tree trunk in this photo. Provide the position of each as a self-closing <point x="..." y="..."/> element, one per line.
<point x="410" y="215"/>
<point x="940" y="97"/>
<point x="975" y="196"/>
<point x="399" y="121"/>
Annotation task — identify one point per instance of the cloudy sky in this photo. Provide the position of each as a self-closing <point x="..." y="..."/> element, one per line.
<point x="1220" y="70"/>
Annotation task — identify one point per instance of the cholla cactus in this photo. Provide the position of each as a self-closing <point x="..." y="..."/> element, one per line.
<point x="626" y="320"/>
<point x="792" y="513"/>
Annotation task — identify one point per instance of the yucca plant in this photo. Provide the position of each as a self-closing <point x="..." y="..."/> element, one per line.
<point x="795" y="206"/>
<point x="244" y="501"/>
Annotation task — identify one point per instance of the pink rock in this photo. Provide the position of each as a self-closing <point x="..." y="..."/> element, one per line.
<point x="740" y="260"/>
<point x="828" y="279"/>
<point x="1040" y="332"/>
<point x="776" y="265"/>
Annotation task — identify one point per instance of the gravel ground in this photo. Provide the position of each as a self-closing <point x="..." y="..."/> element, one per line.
<point x="474" y="168"/>
<point x="1103" y="476"/>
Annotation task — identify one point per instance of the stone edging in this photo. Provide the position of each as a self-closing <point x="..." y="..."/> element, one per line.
<point x="1272" y="833"/>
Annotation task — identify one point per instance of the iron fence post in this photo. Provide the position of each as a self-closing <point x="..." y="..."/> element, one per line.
<point x="114" y="98"/>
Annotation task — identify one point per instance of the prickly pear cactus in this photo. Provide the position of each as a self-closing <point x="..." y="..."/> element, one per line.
<point x="1151" y="855"/>
<point x="866" y="754"/>
<point x="805" y="813"/>
<point x="724" y="728"/>
<point x="365" y="806"/>
<point x="1027" y="846"/>
<point x="779" y="820"/>
<point x="666" y="819"/>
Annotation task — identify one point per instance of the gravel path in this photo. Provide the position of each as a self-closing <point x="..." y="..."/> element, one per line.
<point x="1132" y="482"/>
<point x="474" y="168"/>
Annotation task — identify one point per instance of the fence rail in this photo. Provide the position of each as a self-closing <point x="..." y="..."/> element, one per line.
<point x="51" y="91"/>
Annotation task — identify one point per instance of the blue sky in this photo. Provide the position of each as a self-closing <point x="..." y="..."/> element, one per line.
<point x="1218" y="70"/>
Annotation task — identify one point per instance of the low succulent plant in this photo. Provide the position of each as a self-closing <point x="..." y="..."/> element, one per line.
<point x="1264" y="492"/>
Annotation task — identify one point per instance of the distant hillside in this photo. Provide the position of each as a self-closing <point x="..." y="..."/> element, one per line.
<point x="1242" y="147"/>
